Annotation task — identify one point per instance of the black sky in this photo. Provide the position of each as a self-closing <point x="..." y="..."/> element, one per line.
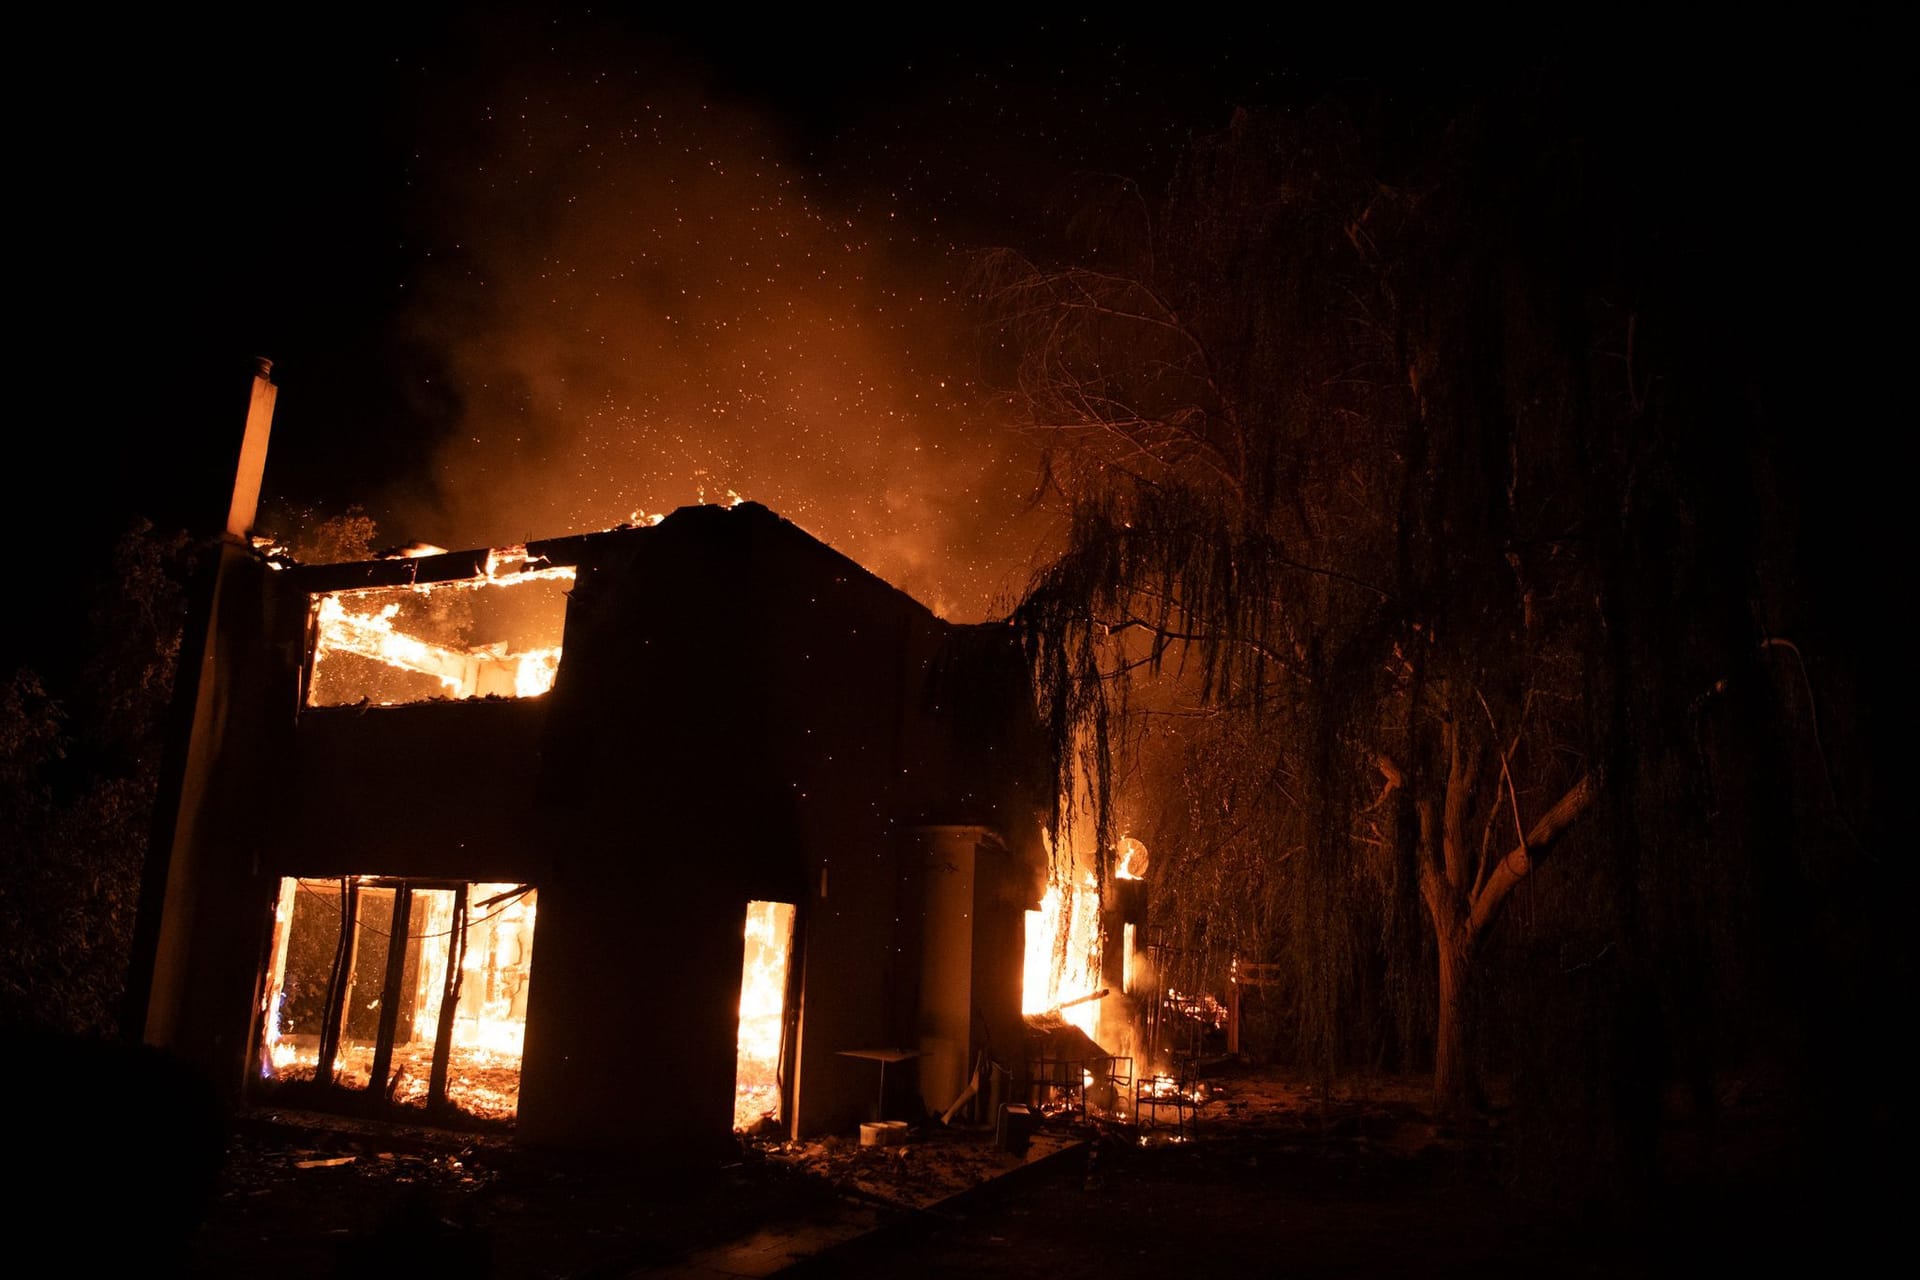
<point x="200" y="191"/>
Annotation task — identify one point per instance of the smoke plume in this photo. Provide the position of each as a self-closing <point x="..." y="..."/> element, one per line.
<point x="640" y="300"/>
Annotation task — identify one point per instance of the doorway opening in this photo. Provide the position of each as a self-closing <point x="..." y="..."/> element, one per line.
<point x="759" y="1082"/>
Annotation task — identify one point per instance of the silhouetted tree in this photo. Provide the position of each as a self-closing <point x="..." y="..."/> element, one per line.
<point x="1382" y="434"/>
<point x="77" y="779"/>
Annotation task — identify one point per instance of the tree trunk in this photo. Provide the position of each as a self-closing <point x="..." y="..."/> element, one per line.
<point x="1453" y="1083"/>
<point x="1447" y="886"/>
<point x="1460" y="916"/>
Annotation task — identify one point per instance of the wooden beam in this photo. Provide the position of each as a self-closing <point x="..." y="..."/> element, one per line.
<point x="390" y="990"/>
<point x="339" y="981"/>
<point x="449" y="1000"/>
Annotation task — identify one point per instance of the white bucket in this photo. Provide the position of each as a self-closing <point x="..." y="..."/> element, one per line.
<point x="883" y="1133"/>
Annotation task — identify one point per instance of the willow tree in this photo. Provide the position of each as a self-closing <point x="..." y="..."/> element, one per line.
<point x="1331" y="423"/>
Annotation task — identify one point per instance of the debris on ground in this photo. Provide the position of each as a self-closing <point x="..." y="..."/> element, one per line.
<point x="303" y="1193"/>
<point x="936" y="1163"/>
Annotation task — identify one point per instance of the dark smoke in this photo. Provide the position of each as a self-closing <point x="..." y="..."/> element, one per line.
<point x="641" y="301"/>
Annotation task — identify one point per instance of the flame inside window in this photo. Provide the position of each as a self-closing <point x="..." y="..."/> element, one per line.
<point x="1063" y="954"/>
<point x="763" y="1007"/>
<point x="497" y="635"/>
<point x="420" y="986"/>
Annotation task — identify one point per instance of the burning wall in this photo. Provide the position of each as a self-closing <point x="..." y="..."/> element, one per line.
<point x="1089" y="980"/>
<point x="740" y="715"/>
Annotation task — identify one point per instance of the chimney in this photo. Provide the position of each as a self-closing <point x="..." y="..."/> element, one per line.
<point x="253" y="452"/>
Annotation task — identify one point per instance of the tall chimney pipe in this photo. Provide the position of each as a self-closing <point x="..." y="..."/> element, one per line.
<point x="253" y="452"/>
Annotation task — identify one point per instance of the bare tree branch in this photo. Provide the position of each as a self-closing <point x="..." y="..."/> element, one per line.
<point x="1521" y="860"/>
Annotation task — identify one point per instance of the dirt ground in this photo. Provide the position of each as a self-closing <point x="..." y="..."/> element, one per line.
<point x="1271" y="1180"/>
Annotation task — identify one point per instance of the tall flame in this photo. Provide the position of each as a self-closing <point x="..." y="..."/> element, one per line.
<point x="1063" y="953"/>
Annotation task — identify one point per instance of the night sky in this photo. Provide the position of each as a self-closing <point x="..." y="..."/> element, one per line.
<point x="530" y="275"/>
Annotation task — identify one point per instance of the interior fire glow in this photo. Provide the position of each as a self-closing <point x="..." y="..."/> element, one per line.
<point x="419" y="985"/>
<point x="763" y="1006"/>
<point x="497" y="635"/>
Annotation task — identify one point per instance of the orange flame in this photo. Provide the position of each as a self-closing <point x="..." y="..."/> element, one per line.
<point x="398" y="629"/>
<point x="763" y="1006"/>
<point x="488" y="1024"/>
<point x="1063" y="954"/>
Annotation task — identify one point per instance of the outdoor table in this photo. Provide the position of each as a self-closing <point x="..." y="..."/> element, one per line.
<point x="883" y="1057"/>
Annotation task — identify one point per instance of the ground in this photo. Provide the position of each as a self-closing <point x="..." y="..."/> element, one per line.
<point x="1272" y="1180"/>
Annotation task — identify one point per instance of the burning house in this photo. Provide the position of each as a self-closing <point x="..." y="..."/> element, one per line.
<point x="634" y="838"/>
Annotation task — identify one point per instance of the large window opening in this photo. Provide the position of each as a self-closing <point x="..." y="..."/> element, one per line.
<point x="494" y="636"/>
<point x="399" y="994"/>
<point x="758" y="1095"/>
